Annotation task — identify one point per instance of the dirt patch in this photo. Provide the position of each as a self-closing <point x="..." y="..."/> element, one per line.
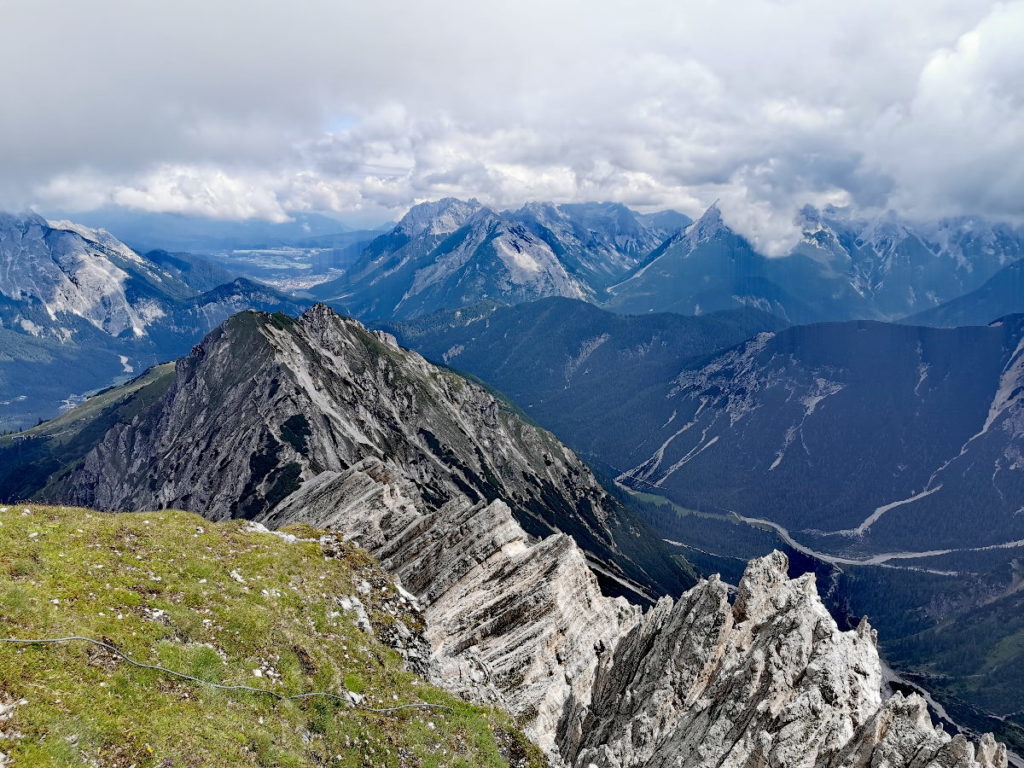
<point x="101" y="657"/>
<point x="305" y="660"/>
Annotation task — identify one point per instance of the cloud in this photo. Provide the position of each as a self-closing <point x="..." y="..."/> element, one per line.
<point x="957" y="145"/>
<point x="254" y="109"/>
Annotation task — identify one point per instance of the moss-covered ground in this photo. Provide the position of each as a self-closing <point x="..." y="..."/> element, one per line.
<point x="228" y="605"/>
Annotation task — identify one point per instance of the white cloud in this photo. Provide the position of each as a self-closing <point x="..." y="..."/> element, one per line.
<point x="204" y="191"/>
<point x="252" y="109"/>
<point x="957" y="145"/>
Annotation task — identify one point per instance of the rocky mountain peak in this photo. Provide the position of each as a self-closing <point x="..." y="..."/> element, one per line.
<point x="311" y="401"/>
<point x="439" y="217"/>
<point x="21" y="221"/>
<point x="542" y="211"/>
<point x="666" y="222"/>
<point x="770" y="680"/>
<point x="707" y="227"/>
<point x="62" y="272"/>
<point x="609" y="226"/>
<point x="450" y="253"/>
<point x="320" y="315"/>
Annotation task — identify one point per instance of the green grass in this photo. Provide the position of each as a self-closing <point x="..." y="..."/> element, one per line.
<point x="215" y="601"/>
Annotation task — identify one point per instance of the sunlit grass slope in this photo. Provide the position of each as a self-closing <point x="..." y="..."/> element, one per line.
<point x="226" y="604"/>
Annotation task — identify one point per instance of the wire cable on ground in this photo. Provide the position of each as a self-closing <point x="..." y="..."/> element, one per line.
<point x="217" y="686"/>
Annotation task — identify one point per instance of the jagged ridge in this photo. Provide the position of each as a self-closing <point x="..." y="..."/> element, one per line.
<point x="268" y="404"/>
<point x="513" y="617"/>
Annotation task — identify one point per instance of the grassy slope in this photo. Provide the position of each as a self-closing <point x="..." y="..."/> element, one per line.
<point x="216" y="601"/>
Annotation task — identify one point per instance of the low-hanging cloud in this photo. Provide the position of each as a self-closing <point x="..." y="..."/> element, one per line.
<point x="257" y="109"/>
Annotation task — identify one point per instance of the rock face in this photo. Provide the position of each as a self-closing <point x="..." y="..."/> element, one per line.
<point x="318" y="420"/>
<point x="599" y="242"/>
<point x="79" y="308"/>
<point x="56" y="274"/>
<point x="768" y="680"/>
<point x="269" y="410"/>
<point x="449" y="254"/>
<point x="452" y="253"/>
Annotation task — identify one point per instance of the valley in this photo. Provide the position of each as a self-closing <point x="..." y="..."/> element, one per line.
<point x="712" y="434"/>
<point x="506" y="538"/>
<point x="748" y="437"/>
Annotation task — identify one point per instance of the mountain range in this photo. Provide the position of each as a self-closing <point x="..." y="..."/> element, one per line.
<point x="436" y="436"/>
<point x="843" y="268"/>
<point x="928" y="419"/>
<point x="452" y="253"/>
<point x="78" y="309"/>
<point x="64" y="283"/>
<point x="318" y="420"/>
<point x="673" y="404"/>
<point x="727" y="401"/>
<point x="887" y="454"/>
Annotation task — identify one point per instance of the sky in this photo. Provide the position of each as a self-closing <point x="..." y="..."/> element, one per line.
<point x="241" y="109"/>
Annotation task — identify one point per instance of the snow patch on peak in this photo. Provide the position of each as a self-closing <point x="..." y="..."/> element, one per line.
<point x="884" y="233"/>
<point x="520" y="262"/>
<point x="533" y="265"/>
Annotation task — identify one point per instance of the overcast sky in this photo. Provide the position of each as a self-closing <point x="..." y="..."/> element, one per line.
<point x="254" y="109"/>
